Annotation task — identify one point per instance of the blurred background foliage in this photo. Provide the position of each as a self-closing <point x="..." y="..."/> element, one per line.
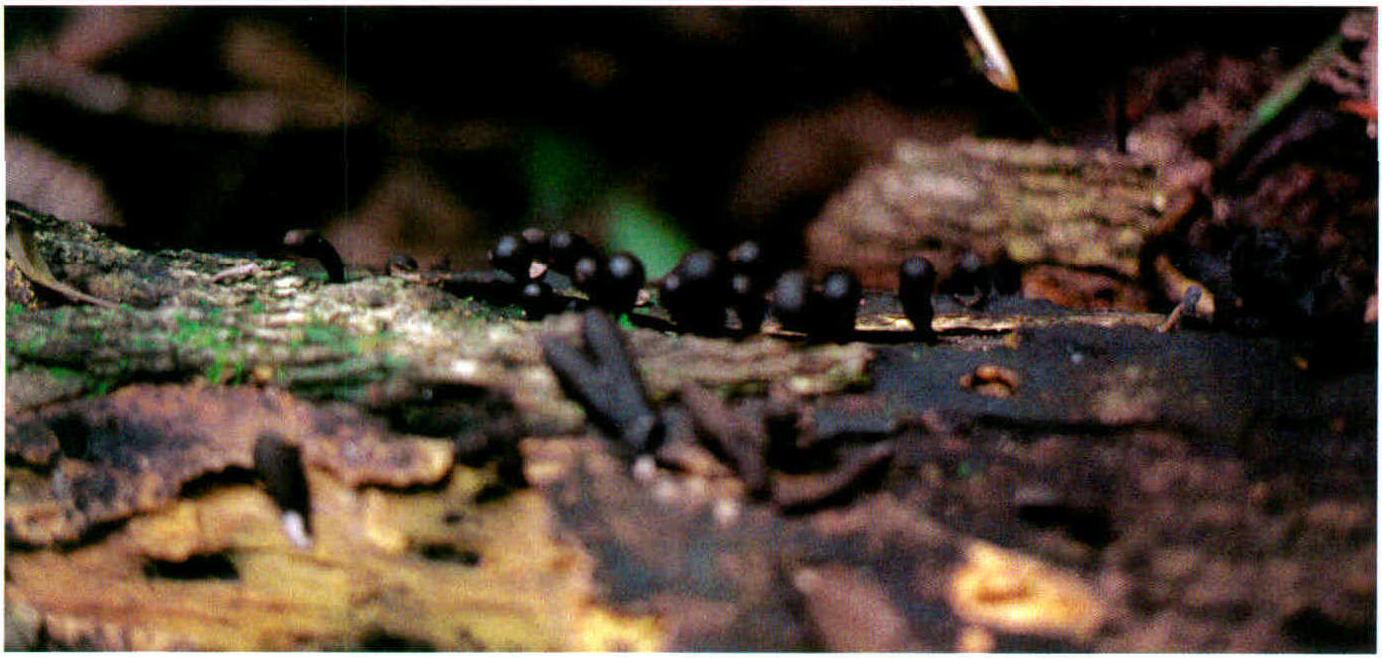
<point x="430" y="131"/>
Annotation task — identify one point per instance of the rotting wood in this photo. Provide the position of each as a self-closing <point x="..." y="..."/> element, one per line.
<point x="1168" y="438"/>
<point x="1049" y="205"/>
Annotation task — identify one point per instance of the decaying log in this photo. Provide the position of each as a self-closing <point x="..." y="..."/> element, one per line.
<point x="444" y="564"/>
<point x="1046" y="205"/>
<point x="1035" y="478"/>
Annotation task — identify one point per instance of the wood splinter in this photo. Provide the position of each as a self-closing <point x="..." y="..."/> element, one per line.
<point x="235" y="273"/>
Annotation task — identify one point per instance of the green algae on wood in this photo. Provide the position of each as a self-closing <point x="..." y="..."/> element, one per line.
<point x="375" y="339"/>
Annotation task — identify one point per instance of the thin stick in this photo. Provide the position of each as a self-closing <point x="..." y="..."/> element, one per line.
<point x="998" y="69"/>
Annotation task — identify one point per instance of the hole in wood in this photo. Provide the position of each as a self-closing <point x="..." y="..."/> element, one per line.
<point x="209" y="566"/>
<point x="449" y="553"/>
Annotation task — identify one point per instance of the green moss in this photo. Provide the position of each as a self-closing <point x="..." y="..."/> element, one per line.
<point x="143" y="343"/>
<point x="221" y="340"/>
<point x="376" y="342"/>
<point x="26" y="342"/>
<point x="101" y="386"/>
<point x="324" y="334"/>
<point x="224" y="370"/>
<point x="65" y="374"/>
<point x="194" y="334"/>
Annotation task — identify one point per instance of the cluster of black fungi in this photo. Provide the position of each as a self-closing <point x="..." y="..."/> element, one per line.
<point x="612" y="282"/>
<point x="705" y="289"/>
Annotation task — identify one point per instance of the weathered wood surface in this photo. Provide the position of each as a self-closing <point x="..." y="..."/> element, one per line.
<point x="1056" y="209"/>
<point x="1043" y="478"/>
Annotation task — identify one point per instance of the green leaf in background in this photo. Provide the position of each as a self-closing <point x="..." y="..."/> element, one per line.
<point x="637" y="227"/>
<point x="566" y="175"/>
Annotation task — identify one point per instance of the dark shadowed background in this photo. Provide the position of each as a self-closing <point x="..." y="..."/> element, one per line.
<point x="432" y="130"/>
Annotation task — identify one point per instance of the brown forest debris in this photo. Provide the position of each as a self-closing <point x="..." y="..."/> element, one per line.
<point x="446" y="568"/>
<point x="133" y="451"/>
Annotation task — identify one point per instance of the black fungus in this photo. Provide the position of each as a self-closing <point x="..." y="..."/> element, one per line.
<point x="671" y="292"/>
<point x="1007" y="275"/>
<point x="311" y="244"/>
<point x="748" y="282"/>
<point x="587" y="271"/>
<point x="748" y="302"/>
<point x="747" y="258"/>
<point x="401" y="264"/>
<point x="536" y="241"/>
<point x="969" y="278"/>
<point x="279" y="465"/>
<point x="564" y="248"/>
<point x="617" y="289"/>
<point x="537" y="299"/>
<point x="702" y="267"/>
<point x="916" y="281"/>
<point x="838" y="305"/>
<point x="512" y="256"/>
<point x="695" y="293"/>
<point x="791" y="301"/>
<point x="969" y="282"/>
<point x="606" y="383"/>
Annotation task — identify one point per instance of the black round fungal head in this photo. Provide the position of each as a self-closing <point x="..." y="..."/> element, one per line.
<point x="310" y="243"/>
<point x="586" y="273"/>
<point x="671" y="295"/>
<point x="741" y="284"/>
<point x="695" y="293"/>
<point x="700" y="266"/>
<point x="916" y="280"/>
<point x="536" y="239"/>
<point x="969" y="281"/>
<point x="536" y="298"/>
<point x="841" y="287"/>
<point x="916" y="271"/>
<point x="747" y="258"/>
<point x="624" y="266"/>
<point x="1007" y="275"/>
<point x="669" y="291"/>
<point x="747" y="301"/>
<point x="565" y="248"/>
<point x="401" y="264"/>
<point x="791" y="300"/>
<point x="512" y="256"/>
<point x="839" y="303"/>
<point x="617" y="291"/>
<point x="970" y="268"/>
